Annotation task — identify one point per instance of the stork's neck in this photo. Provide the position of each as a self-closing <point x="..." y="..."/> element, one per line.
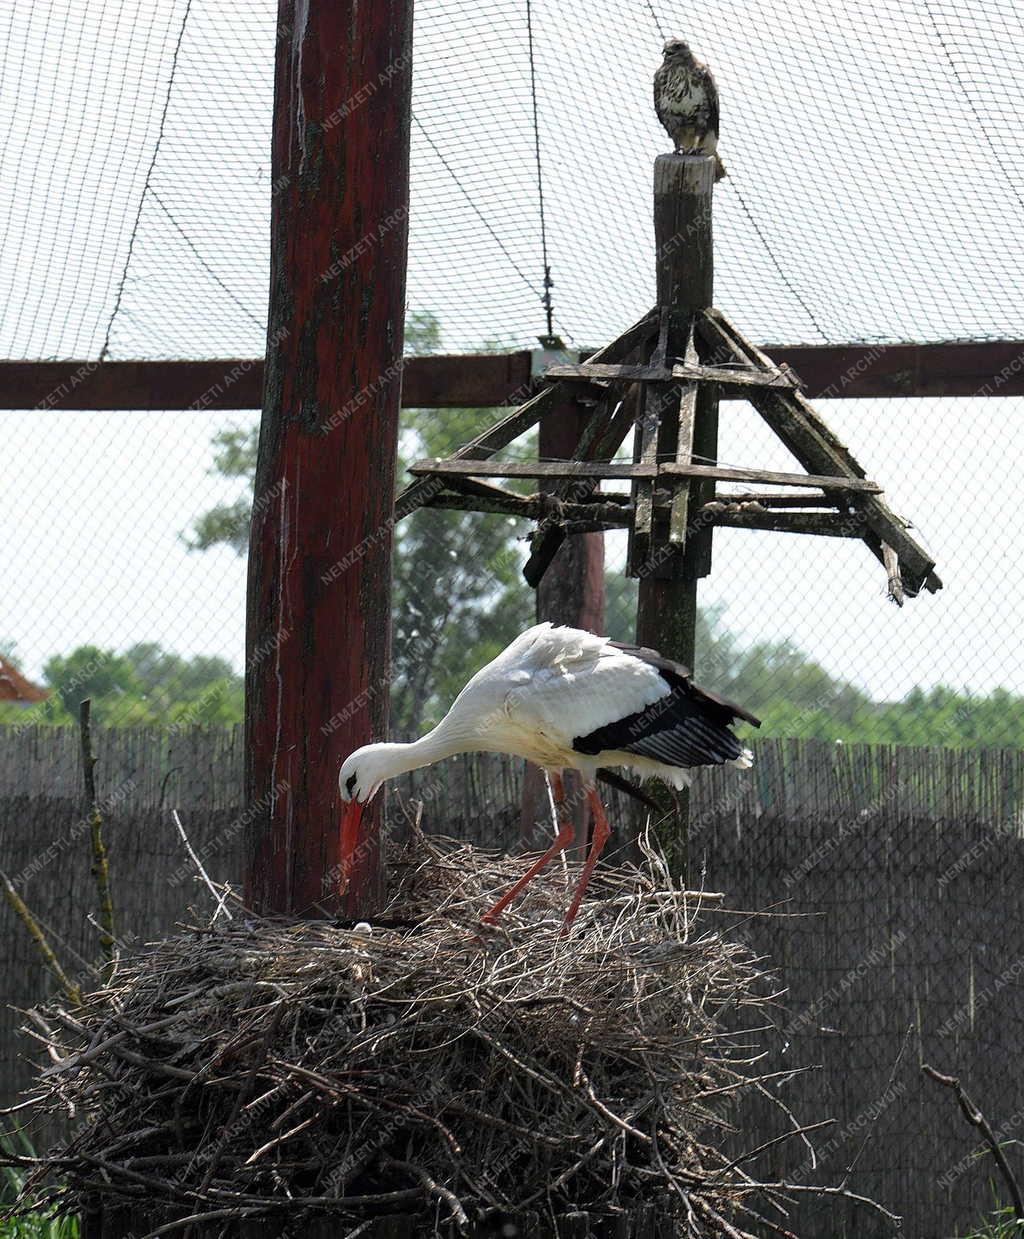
<point x="445" y="740"/>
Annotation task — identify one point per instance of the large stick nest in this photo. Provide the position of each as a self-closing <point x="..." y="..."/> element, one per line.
<point x="257" y="1066"/>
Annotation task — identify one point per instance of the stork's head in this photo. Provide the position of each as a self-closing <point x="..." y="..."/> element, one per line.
<point x="677" y="50"/>
<point x="359" y="779"/>
<point x="362" y="773"/>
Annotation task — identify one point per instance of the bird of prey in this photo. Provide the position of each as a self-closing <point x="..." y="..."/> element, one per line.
<point x="686" y="101"/>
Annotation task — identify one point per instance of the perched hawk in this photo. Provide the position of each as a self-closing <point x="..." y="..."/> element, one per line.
<point x="686" y="100"/>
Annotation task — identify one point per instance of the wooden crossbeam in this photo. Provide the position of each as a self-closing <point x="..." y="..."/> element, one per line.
<point x="773" y="499"/>
<point x="740" y="376"/>
<point x="511" y="427"/>
<point x="825" y="524"/>
<point x="980" y="368"/>
<point x="814" y="444"/>
<point x="604" y="514"/>
<point x="625" y="469"/>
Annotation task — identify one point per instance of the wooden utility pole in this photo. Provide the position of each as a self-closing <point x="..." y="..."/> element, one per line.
<point x="667" y="604"/>
<point x="683" y="188"/>
<point x="318" y="631"/>
<point x="571" y="592"/>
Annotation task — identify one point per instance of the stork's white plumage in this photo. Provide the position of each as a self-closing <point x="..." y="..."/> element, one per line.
<point x="564" y="699"/>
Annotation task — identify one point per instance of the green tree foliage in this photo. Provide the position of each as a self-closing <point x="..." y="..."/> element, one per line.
<point x="795" y="696"/>
<point x="144" y="686"/>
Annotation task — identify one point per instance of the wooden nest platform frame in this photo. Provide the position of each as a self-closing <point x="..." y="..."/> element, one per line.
<point x="662" y="381"/>
<point x="316" y="1079"/>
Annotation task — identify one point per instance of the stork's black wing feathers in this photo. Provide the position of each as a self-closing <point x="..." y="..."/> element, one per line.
<point x="671" y="671"/>
<point x="689" y="726"/>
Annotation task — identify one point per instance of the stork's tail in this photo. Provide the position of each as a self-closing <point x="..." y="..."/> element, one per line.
<point x="744" y="761"/>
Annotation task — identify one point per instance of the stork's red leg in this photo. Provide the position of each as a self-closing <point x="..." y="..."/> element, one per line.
<point x="562" y="840"/>
<point x="601" y="832"/>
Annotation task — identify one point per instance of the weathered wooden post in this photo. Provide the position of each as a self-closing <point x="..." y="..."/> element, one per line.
<point x="318" y="631"/>
<point x="678" y="557"/>
<point x="572" y="589"/>
<point x="570" y="592"/>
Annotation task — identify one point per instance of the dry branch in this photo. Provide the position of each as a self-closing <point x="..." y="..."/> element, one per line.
<point x="976" y="1119"/>
<point x="20" y="908"/>
<point x="100" y="867"/>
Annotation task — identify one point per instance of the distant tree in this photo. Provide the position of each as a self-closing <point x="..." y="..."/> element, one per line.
<point x="145" y="686"/>
<point x="108" y="679"/>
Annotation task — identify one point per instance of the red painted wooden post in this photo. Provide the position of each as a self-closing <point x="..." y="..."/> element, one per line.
<point x="320" y="555"/>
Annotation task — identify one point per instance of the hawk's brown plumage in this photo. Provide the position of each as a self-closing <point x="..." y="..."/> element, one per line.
<point x="686" y="101"/>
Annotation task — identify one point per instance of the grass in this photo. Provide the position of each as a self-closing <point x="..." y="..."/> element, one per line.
<point x="1001" y="1224"/>
<point x="40" y="1225"/>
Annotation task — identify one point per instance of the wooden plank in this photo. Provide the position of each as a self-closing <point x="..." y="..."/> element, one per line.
<point x="692" y="372"/>
<point x="684" y="455"/>
<point x="642" y="372"/>
<point x="597" y="515"/>
<point x="772" y="499"/>
<point x="825" y="524"/>
<point x="945" y="368"/>
<point x="489" y="380"/>
<point x="646" y="456"/>
<point x="626" y="469"/>
<point x="798" y="425"/>
<point x="450" y="380"/>
<point x="511" y="427"/>
<point x="604" y="515"/>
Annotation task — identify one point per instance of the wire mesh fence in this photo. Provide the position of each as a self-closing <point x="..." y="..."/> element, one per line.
<point x="874" y="190"/>
<point x="136" y="201"/>
<point x="874" y="194"/>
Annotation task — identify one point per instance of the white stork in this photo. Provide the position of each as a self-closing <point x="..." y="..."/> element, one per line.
<point x="564" y="699"/>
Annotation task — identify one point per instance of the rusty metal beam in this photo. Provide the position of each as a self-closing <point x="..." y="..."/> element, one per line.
<point x="487" y="380"/>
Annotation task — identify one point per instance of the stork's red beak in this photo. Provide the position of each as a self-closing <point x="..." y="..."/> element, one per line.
<point x="350" y="824"/>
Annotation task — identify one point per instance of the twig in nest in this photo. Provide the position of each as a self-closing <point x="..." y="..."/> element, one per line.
<point x="432" y="1188"/>
<point x="976" y="1119"/>
<point x="219" y="897"/>
<point x="801" y="1189"/>
<point x="100" y="868"/>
